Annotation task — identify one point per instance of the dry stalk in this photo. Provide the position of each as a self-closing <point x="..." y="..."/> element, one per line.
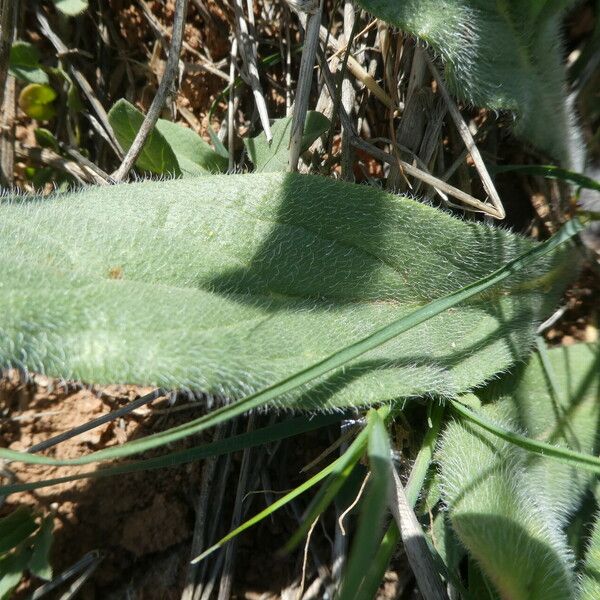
<point x="415" y="544"/>
<point x="311" y="41"/>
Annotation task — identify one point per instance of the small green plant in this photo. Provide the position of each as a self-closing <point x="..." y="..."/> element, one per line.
<point x="25" y="63"/>
<point x="278" y="290"/>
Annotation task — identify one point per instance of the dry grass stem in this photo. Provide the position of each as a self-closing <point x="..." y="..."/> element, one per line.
<point x="247" y="48"/>
<point x="311" y="41"/>
<point x="415" y="544"/>
<point x="463" y="129"/>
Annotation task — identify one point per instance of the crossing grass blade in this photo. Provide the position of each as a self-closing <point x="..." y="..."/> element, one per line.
<point x="551" y="172"/>
<point x="380" y="562"/>
<point x="286" y="429"/>
<point x="571" y="457"/>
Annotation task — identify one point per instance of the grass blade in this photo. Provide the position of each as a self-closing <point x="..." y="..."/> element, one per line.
<point x="374" y="507"/>
<point x="571" y="457"/>
<point x="552" y="172"/>
<point x="381" y="561"/>
<point x="259" y="437"/>
<point x="335" y="467"/>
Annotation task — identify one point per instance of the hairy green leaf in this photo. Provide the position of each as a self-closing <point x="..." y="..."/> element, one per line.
<point x="502" y="55"/>
<point x="556" y="399"/>
<point x="507" y="506"/>
<point x="270" y="157"/>
<point x="25" y="63"/>
<point x="157" y="156"/>
<point x="226" y="284"/>
<point x="495" y="514"/>
<point x="590" y="575"/>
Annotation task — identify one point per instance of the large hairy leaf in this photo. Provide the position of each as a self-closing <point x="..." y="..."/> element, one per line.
<point x="508" y="507"/>
<point x="225" y="284"/>
<point x="502" y="55"/>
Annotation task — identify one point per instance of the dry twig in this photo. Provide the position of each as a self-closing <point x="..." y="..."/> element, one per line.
<point x="427" y="178"/>
<point x="311" y="41"/>
<point x="463" y="129"/>
<point x="247" y="49"/>
<point x="45" y="156"/>
<point x="415" y="544"/>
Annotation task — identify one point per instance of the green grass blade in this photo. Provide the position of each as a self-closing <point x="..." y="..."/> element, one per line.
<point x="334" y="361"/>
<point x="551" y="172"/>
<point x="418" y="474"/>
<point x="322" y="474"/>
<point x="259" y="437"/>
<point x="422" y="463"/>
<point x="379" y="564"/>
<point x="571" y="457"/>
<point x="373" y="510"/>
<point x="330" y="488"/>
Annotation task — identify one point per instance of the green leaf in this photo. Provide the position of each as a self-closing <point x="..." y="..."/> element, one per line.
<point x="271" y="157"/>
<point x="501" y="55"/>
<point x="501" y="519"/>
<point x="373" y="508"/>
<point x="230" y="283"/>
<point x="36" y="101"/>
<point x="16" y="528"/>
<point x="46" y="139"/>
<point x="39" y="565"/>
<point x="12" y="567"/>
<point x="194" y="155"/>
<point x="71" y="8"/>
<point x="157" y="155"/>
<point x="25" y="63"/>
<point x="508" y="506"/>
<point x="557" y="400"/>
<point x="285" y="388"/>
